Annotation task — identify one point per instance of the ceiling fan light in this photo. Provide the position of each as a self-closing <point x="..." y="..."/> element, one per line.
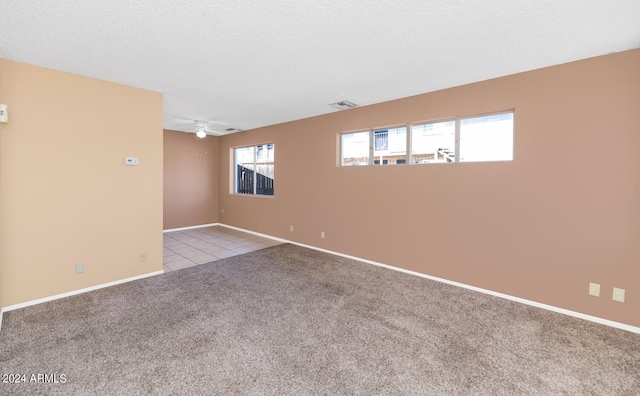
<point x="201" y="133"/>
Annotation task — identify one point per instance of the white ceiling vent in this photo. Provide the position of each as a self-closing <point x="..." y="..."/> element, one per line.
<point x="345" y="104"/>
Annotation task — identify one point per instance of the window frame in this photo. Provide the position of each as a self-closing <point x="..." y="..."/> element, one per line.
<point x="513" y="127"/>
<point x="439" y="121"/>
<point x="370" y="156"/>
<point x="234" y="174"/>
<point x="388" y="129"/>
<point x="409" y="139"/>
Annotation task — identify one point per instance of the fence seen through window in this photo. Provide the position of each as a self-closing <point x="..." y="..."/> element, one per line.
<point x="254" y="170"/>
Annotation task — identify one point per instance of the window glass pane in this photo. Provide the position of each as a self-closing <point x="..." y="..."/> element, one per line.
<point x="487" y="138"/>
<point x="265" y="169"/>
<point x="244" y="155"/>
<point x="264" y="153"/>
<point x="244" y="170"/>
<point x="264" y="179"/>
<point x="432" y="143"/>
<point x="355" y="148"/>
<point x="390" y="146"/>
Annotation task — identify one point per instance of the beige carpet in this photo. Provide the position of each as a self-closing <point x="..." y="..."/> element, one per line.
<point x="288" y="320"/>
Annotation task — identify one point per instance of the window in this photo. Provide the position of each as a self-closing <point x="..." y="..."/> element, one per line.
<point x="432" y="143"/>
<point x="378" y="147"/>
<point x="390" y="146"/>
<point x="254" y="170"/>
<point x="483" y="138"/>
<point x="355" y="148"/>
<point x="487" y="138"/>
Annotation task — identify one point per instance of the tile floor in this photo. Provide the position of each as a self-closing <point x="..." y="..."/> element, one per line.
<point x="187" y="248"/>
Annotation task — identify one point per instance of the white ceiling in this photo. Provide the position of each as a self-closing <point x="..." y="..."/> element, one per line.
<point x="252" y="63"/>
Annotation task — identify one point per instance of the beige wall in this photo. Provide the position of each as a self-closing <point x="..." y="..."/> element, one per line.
<point x="564" y="213"/>
<point x="190" y="179"/>
<point x="1" y="218"/>
<point x="67" y="196"/>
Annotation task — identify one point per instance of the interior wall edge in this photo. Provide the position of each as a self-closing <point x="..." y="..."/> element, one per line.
<point x="579" y="315"/>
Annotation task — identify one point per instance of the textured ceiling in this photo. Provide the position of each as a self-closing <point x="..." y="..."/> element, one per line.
<point x="252" y="63"/>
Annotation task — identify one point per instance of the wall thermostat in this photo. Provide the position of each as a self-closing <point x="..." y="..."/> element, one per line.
<point x="131" y="161"/>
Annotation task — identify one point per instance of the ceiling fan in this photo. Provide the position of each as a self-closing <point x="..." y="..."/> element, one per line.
<point x="204" y="128"/>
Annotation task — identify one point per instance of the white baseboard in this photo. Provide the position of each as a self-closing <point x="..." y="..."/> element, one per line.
<point x="276" y="238"/>
<point x="101" y="286"/>
<point x="190" y="227"/>
<point x="590" y="318"/>
<point x="80" y="291"/>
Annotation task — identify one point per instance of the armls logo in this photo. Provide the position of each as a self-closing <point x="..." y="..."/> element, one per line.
<point x="48" y="378"/>
<point x="34" y="378"/>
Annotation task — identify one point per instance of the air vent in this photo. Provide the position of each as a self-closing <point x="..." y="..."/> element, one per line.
<point x="345" y="104"/>
<point x="232" y="130"/>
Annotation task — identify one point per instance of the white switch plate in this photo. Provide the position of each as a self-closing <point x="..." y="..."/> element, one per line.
<point x="4" y="114"/>
<point x="131" y="161"/>
<point x="618" y="294"/>
<point x="594" y="289"/>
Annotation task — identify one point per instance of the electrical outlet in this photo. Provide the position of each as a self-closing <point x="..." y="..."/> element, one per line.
<point x="594" y="289"/>
<point x="143" y="256"/>
<point x="222" y="210"/>
<point x="291" y="228"/>
<point x="79" y="268"/>
<point x="322" y="234"/>
<point x="618" y="294"/>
